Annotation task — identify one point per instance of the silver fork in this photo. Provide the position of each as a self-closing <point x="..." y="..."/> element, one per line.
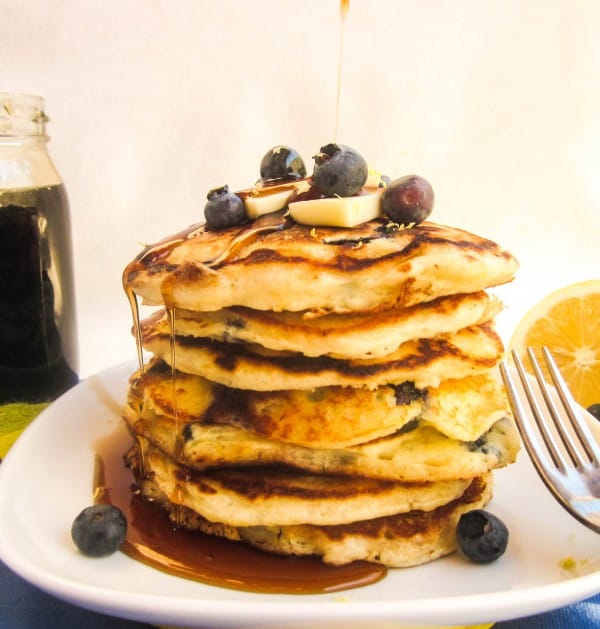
<point x="560" y="444"/>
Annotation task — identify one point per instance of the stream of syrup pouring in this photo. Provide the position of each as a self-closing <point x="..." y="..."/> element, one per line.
<point x="153" y="538"/>
<point x="344" y="8"/>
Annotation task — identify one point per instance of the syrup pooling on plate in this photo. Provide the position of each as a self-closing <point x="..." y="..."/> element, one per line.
<point x="155" y="541"/>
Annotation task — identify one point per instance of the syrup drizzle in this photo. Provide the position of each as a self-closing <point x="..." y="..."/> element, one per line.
<point x="177" y="497"/>
<point x="344" y="8"/>
<point x="275" y="221"/>
<point x="165" y="246"/>
<point x="171" y="318"/>
<point x="135" y="315"/>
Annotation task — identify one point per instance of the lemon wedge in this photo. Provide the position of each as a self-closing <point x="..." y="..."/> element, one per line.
<point x="567" y="322"/>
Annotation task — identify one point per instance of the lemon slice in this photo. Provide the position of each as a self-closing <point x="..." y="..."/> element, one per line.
<point x="567" y="322"/>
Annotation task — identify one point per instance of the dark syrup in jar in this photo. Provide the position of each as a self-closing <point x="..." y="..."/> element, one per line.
<point x="38" y="336"/>
<point x="153" y="540"/>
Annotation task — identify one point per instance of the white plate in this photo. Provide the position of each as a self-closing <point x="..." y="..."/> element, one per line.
<point x="46" y="480"/>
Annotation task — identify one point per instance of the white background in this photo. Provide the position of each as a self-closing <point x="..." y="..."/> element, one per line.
<point x="153" y="102"/>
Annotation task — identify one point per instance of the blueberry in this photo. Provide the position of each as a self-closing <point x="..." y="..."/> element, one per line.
<point x="223" y="209"/>
<point x="282" y="163"/>
<point x="482" y="536"/>
<point x="99" y="530"/>
<point x="340" y="171"/>
<point x="408" y="200"/>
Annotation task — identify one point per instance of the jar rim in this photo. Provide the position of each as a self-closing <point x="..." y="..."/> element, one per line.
<point x="22" y="114"/>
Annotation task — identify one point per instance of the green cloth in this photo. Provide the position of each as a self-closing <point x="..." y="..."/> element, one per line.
<point x="14" y="418"/>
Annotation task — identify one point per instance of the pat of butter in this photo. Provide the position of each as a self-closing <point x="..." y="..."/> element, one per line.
<point x="337" y="211"/>
<point x="265" y="200"/>
<point x="267" y="203"/>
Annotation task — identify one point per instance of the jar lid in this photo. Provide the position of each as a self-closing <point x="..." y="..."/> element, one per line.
<point x="22" y="114"/>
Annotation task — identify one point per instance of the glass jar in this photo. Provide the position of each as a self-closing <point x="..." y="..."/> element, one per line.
<point x="38" y="331"/>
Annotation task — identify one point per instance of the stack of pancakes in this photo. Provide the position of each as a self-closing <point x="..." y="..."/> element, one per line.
<point x="319" y="390"/>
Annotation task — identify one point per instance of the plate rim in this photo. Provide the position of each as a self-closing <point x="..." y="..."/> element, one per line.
<point x="467" y="608"/>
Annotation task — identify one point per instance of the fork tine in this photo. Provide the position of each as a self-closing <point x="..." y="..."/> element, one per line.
<point x="552" y="446"/>
<point x="565" y="436"/>
<point x="530" y="439"/>
<point x="588" y="442"/>
<point x="577" y="489"/>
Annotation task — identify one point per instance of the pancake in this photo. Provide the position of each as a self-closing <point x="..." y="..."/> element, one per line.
<point x="281" y="266"/>
<point x="272" y="495"/>
<point x="425" y="362"/>
<point x="417" y="454"/>
<point x="323" y="418"/>
<point x="398" y="540"/>
<point x="326" y="417"/>
<point x="347" y="336"/>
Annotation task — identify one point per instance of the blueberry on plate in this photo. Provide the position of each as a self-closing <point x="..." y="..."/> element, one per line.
<point x="282" y="163"/>
<point x="223" y="209"/>
<point x="340" y="171"/>
<point x="99" y="530"/>
<point x="482" y="536"/>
